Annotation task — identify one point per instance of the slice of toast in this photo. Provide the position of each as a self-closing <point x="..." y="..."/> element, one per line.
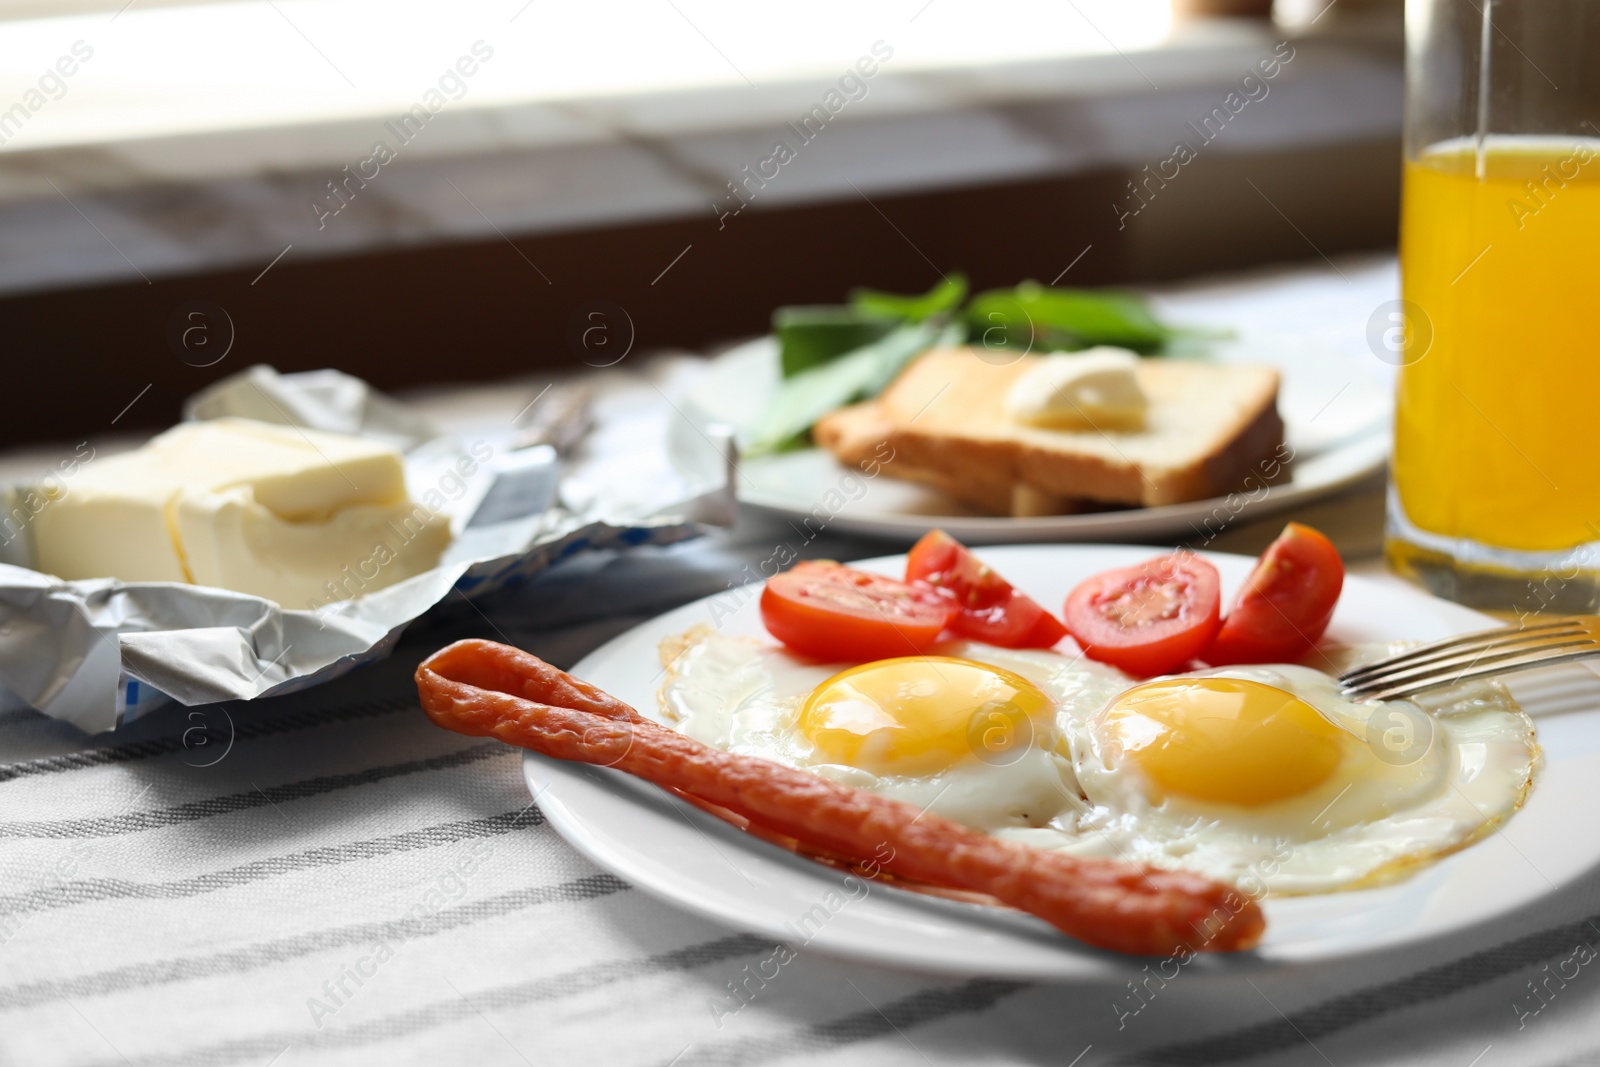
<point x="858" y="437"/>
<point x="1208" y="428"/>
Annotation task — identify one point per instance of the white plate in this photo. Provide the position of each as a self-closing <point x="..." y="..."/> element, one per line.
<point x="693" y="860"/>
<point x="1336" y="422"/>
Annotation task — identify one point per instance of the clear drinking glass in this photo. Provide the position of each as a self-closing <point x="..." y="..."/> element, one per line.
<point x="1495" y="500"/>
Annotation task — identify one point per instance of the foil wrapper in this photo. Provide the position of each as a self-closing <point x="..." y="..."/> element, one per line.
<point x="100" y="652"/>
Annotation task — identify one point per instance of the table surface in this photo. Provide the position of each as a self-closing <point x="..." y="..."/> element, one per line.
<point x="327" y="878"/>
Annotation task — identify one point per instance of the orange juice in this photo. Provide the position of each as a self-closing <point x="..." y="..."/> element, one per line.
<point x="1495" y="422"/>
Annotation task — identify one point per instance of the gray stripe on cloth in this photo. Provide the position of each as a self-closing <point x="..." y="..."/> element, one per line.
<point x="148" y="973"/>
<point x="19" y="715"/>
<point x="137" y="821"/>
<point x="88" y="890"/>
<point x="243" y="730"/>
<point x="1343" y="1012"/>
<point x="262" y="1047"/>
<point x="873" y="1021"/>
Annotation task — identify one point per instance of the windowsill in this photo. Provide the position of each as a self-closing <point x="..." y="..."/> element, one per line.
<point x="650" y="124"/>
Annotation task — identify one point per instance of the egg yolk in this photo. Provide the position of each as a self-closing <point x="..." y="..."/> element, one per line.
<point x="919" y="715"/>
<point x="1226" y="740"/>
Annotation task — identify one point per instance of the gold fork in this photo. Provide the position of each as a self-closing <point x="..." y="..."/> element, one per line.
<point x="1475" y="655"/>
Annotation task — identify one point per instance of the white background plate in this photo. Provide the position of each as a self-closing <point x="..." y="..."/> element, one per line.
<point x="1335" y="402"/>
<point x="695" y="861"/>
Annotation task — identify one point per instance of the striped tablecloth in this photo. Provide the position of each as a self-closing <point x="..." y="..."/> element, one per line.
<point x="329" y="879"/>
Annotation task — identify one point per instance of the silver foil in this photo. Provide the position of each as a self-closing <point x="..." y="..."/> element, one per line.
<point x="99" y="652"/>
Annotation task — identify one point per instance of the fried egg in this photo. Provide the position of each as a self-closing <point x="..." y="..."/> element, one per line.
<point x="1265" y="777"/>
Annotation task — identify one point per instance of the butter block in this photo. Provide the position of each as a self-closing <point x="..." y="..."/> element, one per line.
<point x="94" y="533"/>
<point x="296" y="516"/>
<point x="295" y="473"/>
<point x="232" y="541"/>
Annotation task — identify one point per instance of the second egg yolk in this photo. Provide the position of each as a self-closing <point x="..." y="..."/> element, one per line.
<point x="1225" y="740"/>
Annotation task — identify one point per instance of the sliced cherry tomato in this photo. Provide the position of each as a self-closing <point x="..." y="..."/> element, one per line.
<point x="1149" y="619"/>
<point x="834" y="612"/>
<point x="991" y="610"/>
<point x="1285" y="604"/>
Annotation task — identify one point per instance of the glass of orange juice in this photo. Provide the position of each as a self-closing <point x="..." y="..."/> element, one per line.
<point x="1495" y="497"/>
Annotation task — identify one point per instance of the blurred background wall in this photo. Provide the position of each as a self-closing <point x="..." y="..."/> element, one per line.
<point x="154" y="239"/>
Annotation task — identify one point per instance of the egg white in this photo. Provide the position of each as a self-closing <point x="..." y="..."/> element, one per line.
<point x="1068" y="789"/>
<point x="744" y="696"/>
<point x="1367" y="822"/>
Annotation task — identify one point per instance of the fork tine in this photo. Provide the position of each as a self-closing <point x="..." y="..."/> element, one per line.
<point x="1475" y="639"/>
<point x="1516" y="639"/>
<point x="1445" y="671"/>
<point x="1412" y="688"/>
<point x="1513" y="643"/>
